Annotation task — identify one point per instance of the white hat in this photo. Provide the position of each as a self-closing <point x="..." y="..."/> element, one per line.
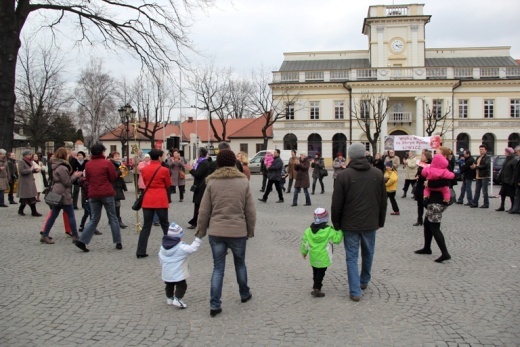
<point x="175" y="230"/>
<point x="321" y="215"/>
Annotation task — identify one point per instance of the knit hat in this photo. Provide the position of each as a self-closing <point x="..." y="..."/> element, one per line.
<point x="2" y="151"/>
<point x="321" y="215"/>
<point x="26" y="152"/>
<point x="510" y="150"/>
<point x="356" y="151"/>
<point x="147" y="155"/>
<point x="303" y="153"/>
<point x="389" y="164"/>
<point x="175" y="230"/>
<point x="226" y="157"/>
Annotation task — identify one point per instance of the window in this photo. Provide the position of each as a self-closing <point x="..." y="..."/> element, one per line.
<point x="515" y="108"/>
<point x="113" y="148"/>
<point x="243" y="147"/>
<point x="259" y="147"/>
<point x="315" y="109"/>
<point x="488" y="108"/>
<point x="463" y="108"/>
<point x="289" y="111"/>
<point x="339" y="110"/>
<point x="437" y="109"/>
<point x="365" y="109"/>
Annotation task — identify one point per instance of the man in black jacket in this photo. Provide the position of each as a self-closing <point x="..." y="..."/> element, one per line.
<point x="359" y="209"/>
<point x="13" y="176"/>
<point x="468" y="175"/>
<point x="274" y="176"/>
<point x="483" y="168"/>
<point x="516" y="180"/>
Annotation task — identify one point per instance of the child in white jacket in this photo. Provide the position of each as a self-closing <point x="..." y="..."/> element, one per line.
<point x="173" y="256"/>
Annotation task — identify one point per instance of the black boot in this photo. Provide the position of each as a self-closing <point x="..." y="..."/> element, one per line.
<point x="418" y="223"/>
<point x="34" y="213"/>
<point x="118" y="214"/>
<point x="20" y="209"/>
<point x="439" y="238"/>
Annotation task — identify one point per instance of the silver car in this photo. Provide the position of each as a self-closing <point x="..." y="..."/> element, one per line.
<point x="255" y="164"/>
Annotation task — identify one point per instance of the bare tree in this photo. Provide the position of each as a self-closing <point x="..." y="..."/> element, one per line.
<point x="370" y="111"/>
<point x="154" y="31"/>
<point x="41" y="94"/>
<point x="240" y="98"/>
<point x="95" y="94"/>
<point x="155" y="102"/>
<point x="273" y="102"/>
<point x="211" y="86"/>
<point x="437" y="117"/>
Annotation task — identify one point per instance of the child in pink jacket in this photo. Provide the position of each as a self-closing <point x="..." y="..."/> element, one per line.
<point x="438" y="170"/>
<point x="269" y="158"/>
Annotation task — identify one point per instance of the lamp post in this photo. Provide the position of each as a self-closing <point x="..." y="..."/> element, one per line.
<point x="127" y="113"/>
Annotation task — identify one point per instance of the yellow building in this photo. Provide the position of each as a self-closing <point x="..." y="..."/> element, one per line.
<point x="477" y="88"/>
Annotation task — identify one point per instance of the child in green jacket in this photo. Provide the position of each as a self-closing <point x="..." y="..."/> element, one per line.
<point x="316" y="242"/>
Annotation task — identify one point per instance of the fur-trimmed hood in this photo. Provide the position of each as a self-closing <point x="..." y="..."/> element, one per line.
<point x="225" y="173"/>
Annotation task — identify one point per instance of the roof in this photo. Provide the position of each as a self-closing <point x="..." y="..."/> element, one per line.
<point x="325" y="64"/>
<point x="471" y="61"/>
<point x="236" y="128"/>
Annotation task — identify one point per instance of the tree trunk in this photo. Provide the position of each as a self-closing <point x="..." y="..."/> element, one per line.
<point x="9" y="45"/>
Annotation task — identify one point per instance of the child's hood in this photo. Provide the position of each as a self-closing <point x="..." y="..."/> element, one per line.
<point x="439" y="162"/>
<point x="319" y="232"/>
<point x="168" y="242"/>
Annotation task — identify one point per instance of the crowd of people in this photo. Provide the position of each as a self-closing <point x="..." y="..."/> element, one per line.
<point x="224" y="210"/>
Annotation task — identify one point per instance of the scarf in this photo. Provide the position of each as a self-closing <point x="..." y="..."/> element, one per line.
<point x="201" y="159"/>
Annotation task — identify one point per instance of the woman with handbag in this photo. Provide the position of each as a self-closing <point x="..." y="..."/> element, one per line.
<point x="177" y="174"/>
<point x="155" y="198"/>
<point x="62" y="179"/>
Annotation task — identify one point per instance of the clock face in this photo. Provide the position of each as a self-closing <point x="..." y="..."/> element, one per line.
<point x="397" y="45"/>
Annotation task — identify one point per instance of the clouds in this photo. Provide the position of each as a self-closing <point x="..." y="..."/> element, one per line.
<point x="247" y="33"/>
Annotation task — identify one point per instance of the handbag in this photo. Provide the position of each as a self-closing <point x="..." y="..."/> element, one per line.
<point x="139" y="202"/>
<point x="53" y="199"/>
<point x="193" y="188"/>
<point x="324" y="172"/>
<point x="182" y="175"/>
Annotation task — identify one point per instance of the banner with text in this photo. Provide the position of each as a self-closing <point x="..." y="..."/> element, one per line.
<point x="411" y="142"/>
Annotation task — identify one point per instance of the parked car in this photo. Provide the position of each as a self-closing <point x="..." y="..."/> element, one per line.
<point x="498" y="163"/>
<point x="255" y="163"/>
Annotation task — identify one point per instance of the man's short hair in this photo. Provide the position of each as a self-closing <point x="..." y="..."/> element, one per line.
<point x="155" y="153"/>
<point x="223" y="145"/>
<point x="483" y="146"/>
<point x="97" y="149"/>
<point x="277" y="151"/>
<point x="467" y="151"/>
<point x="203" y="152"/>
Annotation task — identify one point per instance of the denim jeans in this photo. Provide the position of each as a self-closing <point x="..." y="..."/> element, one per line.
<point x="95" y="208"/>
<point x="55" y="212"/>
<point x="86" y="212"/>
<point x="482" y="184"/>
<point x="148" y="217"/>
<point x="305" y="191"/>
<point x="219" y="248"/>
<point x="465" y="190"/>
<point x="352" y="240"/>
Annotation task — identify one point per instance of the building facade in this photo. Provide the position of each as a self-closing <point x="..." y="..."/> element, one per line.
<point x="476" y="90"/>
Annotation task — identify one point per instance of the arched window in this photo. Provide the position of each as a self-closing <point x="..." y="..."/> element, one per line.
<point x="462" y="142"/>
<point x="290" y="141"/>
<point x="339" y="144"/>
<point x="513" y="140"/>
<point x="489" y="140"/>
<point x="313" y="144"/>
<point x="400" y="154"/>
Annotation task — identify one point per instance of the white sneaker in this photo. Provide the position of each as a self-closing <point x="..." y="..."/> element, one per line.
<point x="169" y="301"/>
<point x="179" y="303"/>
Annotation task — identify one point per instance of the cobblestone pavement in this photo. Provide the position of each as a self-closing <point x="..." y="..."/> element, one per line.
<point x="56" y="295"/>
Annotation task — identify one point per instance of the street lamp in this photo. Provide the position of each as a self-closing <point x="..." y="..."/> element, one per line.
<point x="127" y="114"/>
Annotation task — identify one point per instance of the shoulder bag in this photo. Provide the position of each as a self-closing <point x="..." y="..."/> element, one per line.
<point x="139" y="202"/>
<point x="53" y="199"/>
<point x="324" y="172"/>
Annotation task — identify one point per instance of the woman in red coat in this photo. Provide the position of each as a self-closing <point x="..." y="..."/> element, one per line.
<point x="155" y="199"/>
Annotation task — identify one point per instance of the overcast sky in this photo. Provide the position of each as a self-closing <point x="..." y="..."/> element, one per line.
<point x="249" y="34"/>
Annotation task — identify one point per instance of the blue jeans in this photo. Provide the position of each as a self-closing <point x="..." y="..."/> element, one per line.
<point x="95" y="208"/>
<point x="219" y="248"/>
<point x="69" y="210"/>
<point x="352" y="240"/>
<point x="86" y="212"/>
<point x="465" y="190"/>
<point x="482" y="184"/>
<point x="305" y="191"/>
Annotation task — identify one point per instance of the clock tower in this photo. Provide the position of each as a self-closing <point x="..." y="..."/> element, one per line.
<point x="396" y="35"/>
